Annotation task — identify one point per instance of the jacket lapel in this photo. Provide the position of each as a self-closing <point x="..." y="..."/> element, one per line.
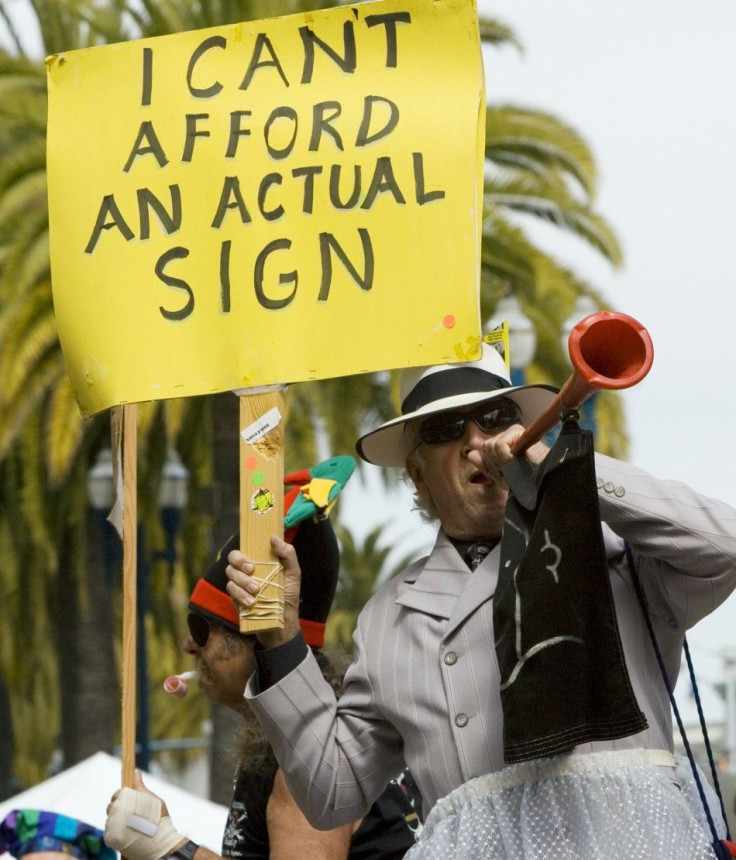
<point x="481" y="586"/>
<point x="435" y="587"/>
<point x="445" y="588"/>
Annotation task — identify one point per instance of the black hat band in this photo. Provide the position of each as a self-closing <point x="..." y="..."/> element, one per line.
<point x="447" y="383"/>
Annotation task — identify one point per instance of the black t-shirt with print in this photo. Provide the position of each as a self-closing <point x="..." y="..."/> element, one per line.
<point x="388" y="831"/>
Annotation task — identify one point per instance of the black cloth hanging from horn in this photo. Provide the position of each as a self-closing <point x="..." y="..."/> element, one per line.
<point x="563" y="676"/>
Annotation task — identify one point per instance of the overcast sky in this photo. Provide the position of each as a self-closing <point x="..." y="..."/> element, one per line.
<point x="651" y="87"/>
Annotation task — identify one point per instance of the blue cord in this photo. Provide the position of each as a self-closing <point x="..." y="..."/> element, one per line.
<point x="720" y="850"/>
<point x="706" y="739"/>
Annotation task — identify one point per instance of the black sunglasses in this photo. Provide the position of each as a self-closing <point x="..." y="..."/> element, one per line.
<point x="199" y="628"/>
<point x="491" y="417"/>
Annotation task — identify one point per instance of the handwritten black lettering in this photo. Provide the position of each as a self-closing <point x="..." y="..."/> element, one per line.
<point x="335" y="174"/>
<point x="364" y="137"/>
<point x="308" y="173"/>
<point x="321" y="122"/>
<point x="147" y="200"/>
<point x="199" y="52"/>
<point x="178" y="253"/>
<point x="383" y="181"/>
<point x="347" y="62"/>
<point x="288" y="114"/>
<point x="192" y="132"/>
<point x="147" y="77"/>
<point x="328" y="243"/>
<point x="389" y="20"/>
<point x="225" y="276"/>
<point x="231" y="198"/>
<point x="262" y="41"/>
<point x="285" y="278"/>
<point x="236" y="132"/>
<point x="146" y="133"/>
<point x="108" y="209"/>
<point x="423" y="196"/>
<point x="267" y="181"/>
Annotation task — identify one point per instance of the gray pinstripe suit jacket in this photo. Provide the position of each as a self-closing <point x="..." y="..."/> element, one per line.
<point x="424" y="687"/>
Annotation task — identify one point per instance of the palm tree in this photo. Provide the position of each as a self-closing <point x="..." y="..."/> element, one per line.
<point x="46" y="449"/>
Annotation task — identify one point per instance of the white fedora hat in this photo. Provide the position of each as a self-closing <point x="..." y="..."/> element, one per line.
<point x="427" y="390"/>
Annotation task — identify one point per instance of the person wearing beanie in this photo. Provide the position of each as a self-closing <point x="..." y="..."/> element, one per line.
<point x="36" y="834"/>
<point x="264" y="821"/>
<point x="512" y="669"/>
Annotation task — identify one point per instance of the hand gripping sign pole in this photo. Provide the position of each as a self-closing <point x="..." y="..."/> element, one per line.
<point x="262" y="502"/>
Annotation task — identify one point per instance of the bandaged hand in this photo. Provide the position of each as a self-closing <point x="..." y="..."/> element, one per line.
<point x="138" y="824"/>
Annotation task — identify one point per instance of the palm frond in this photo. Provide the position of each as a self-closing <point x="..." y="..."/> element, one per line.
<point x="25" y="159"/>
<point x="29" y="190"/>
<point x="16" y="412"/>
<point x="507" y="261"/>
<point x="30" y="340"/>
<point x="494" y="32"/>
<point x="539" y="143"/>
<point x="551" y="202"/>
<point x="65" y="431"/>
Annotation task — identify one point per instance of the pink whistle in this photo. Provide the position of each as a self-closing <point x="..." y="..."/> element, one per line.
<point x="177" y="684"/>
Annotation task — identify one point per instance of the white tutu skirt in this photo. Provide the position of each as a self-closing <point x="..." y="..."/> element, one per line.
<point x="633" y="805"/>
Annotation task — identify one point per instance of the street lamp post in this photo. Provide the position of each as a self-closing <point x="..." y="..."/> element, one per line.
<point x="172" y="500"/>
<point x="101" y="496"/>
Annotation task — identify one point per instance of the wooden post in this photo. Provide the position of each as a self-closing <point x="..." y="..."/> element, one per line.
<point x="262" y="502"/>
<point x="130" y="589"/>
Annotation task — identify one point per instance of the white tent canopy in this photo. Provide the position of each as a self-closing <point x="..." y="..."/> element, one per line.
<point x="83" y="792"/>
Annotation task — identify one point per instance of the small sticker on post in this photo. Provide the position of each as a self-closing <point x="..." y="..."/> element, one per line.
<point x="261" y="501"/>
<point x="263" y="425"/>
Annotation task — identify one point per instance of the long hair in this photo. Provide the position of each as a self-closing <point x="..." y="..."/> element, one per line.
<point x="425" y="507"/>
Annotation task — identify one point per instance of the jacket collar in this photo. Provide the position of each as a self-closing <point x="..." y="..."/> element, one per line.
<point x="444" y="586"/>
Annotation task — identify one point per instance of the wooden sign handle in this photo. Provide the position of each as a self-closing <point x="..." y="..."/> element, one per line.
<point x="130" y="588"/>
<point x="262" y="503"/>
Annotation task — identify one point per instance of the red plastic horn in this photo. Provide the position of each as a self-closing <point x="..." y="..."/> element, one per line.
<point x="607" y="350"/>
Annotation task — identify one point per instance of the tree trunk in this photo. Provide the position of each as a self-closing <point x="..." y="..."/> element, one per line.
<point x="7" y="786"/>
<point x="89" y="689"/>
<point x="226" y="501"/>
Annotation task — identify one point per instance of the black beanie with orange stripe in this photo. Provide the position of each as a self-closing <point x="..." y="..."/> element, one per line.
<point x="319" y="559"/>
<point x="316" y="548"/>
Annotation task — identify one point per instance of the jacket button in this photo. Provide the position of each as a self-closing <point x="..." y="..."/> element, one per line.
<point x="608" y="487"/>
<point x="461" y="720"/>
<point x="450" y="658"/>
<point x="599" y="483"/>
<point x="619" y="492"/>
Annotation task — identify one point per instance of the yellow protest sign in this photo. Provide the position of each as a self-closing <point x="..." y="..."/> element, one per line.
<point x="274" y="201"/>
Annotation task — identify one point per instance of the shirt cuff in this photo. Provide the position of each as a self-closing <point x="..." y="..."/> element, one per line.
<point x="273" y="664"/>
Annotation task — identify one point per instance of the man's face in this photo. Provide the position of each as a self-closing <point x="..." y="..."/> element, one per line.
<point x="470" y="503"/>
<point x="225" y="662"/>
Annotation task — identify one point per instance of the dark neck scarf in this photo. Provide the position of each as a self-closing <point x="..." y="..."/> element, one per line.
<point x="563" y="677"/>
<point x="474" y="552"/>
